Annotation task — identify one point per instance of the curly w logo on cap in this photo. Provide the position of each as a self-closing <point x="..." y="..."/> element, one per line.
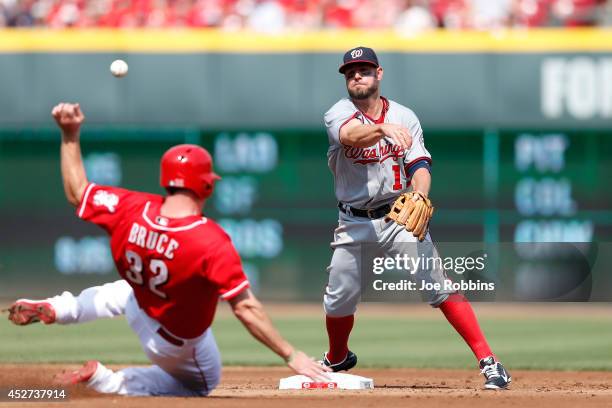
<point x="359" y="54"/>
<point x="356" y="53"/>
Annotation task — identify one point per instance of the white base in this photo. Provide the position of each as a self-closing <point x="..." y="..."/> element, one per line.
<point x="337" y="381"/>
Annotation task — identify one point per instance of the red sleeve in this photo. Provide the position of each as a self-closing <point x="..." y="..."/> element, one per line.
<point x="106" y="206"/>
<point x="224" y="269"/>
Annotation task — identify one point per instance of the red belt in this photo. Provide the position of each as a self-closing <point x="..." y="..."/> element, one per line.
<point x="169" y="337"/>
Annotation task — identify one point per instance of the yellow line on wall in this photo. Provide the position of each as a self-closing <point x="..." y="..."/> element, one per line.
<point x="207" y="40"/>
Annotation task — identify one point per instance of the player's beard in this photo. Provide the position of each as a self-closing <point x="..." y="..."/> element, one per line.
<point x="361" y="94"/>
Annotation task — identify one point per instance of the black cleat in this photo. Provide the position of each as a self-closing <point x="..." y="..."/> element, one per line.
<point x="349" y="362"/>
<point x="495" y="373"/>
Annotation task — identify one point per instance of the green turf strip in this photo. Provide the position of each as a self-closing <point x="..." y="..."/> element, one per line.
<point x="557" y="344"/>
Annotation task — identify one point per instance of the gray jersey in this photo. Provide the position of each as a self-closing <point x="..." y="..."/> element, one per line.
<point x="373" y="176"/>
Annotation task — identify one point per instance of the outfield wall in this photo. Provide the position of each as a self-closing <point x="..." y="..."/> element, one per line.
<point x="209" y="79"/>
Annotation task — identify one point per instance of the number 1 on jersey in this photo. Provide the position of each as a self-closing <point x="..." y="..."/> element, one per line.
<point x="398" y="177"/>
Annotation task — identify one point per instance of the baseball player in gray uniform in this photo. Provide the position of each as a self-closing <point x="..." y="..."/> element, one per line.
<point x="376" y="153"/>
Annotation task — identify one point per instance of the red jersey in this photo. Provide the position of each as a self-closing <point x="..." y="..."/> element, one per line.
<point x="177" y="267"/>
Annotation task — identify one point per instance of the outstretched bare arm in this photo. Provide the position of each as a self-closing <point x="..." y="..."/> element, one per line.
<point x="252" y="315"/>
<point x="69" y="118"/>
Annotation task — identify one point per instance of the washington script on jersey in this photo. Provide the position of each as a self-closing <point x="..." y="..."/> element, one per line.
<point x="152" y="240"/>
<point x="377" y="154"/>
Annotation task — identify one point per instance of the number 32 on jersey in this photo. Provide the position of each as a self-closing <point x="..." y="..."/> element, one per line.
<point x="157" y="267"/>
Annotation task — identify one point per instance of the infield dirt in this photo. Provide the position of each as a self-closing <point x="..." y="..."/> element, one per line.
<point x="255" y="387"/>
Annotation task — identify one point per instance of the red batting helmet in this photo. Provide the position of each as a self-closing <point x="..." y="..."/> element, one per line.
<point x="188" y="166"/>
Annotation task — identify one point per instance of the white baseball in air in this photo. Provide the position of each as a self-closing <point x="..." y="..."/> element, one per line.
<point x="119" y="68"/>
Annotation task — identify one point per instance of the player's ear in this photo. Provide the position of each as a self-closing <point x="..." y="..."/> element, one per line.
<point x="379" y="73"/>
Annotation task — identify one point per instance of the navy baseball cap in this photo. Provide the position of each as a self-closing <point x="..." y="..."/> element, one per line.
<point x="358" y="54"/>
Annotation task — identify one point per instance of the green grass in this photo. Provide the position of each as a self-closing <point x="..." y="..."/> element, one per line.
<point x="531" y="343"/>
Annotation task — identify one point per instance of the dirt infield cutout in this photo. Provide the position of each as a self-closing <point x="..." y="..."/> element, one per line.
<point x="257" y="387"/>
